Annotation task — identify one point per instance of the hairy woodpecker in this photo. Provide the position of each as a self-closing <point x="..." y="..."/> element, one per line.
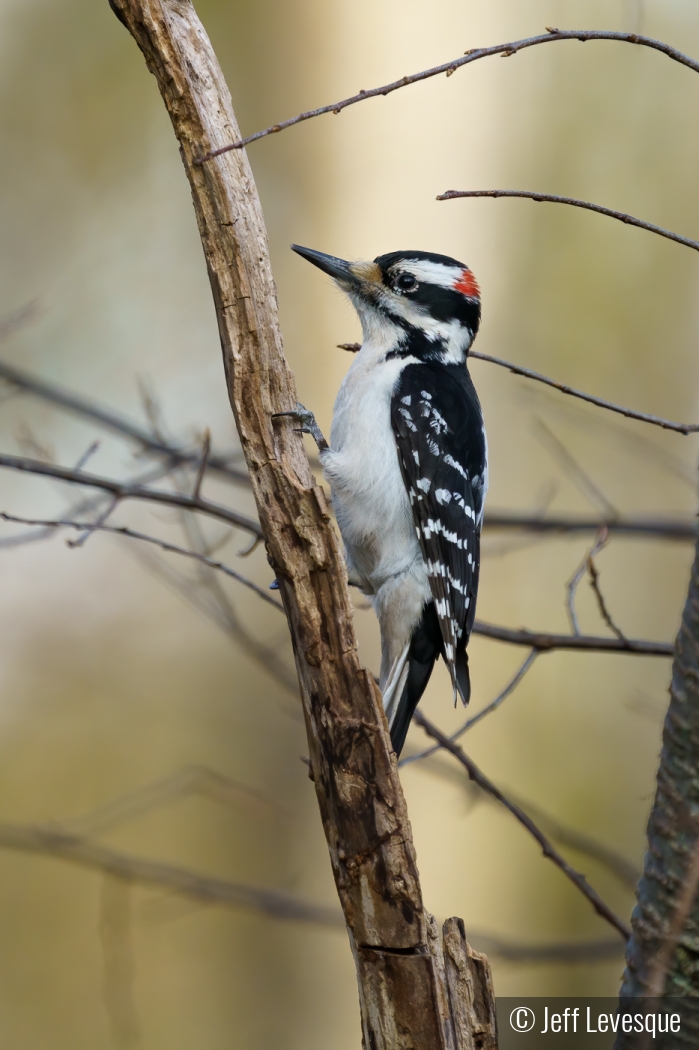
<point x="407" y="465"/>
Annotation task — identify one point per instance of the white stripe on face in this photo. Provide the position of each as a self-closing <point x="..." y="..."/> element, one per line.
<point x="432" y="272"/>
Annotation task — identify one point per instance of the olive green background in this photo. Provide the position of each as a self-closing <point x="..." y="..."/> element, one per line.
<point x="111" y="678"/>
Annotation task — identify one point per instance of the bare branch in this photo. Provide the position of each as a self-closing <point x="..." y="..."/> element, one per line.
<point x="601" y="604"/>
<point x="85" y="506"/>
<point x="55" y="841"/>
<point x="268" y="658"/>
<point x="572" y="585"/>
<point x="506" y="50"/>
<point x="573" y="470"/>
<point x="540" y="642"/>
<point x="586" y="643"/>
<point x="190" y="780"/>
<point x="578" y="880"/>
<point x="87" y="454"/>
<point x="644" y="417"/>
<point x="124" y="491"/>
<point x="656" y="528"/>
<point x="630" y="220"/>
<point x="122" y="530"/>
<point x="201" y="470"/>
<point x="658" y="421"/>
<point x="114" y="421"/>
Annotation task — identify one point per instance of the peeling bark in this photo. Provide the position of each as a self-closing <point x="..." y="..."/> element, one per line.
<point x="404" y="998"/>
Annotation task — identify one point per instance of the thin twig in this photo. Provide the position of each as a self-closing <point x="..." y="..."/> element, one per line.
<point x="106" y="417"/>
<point x="95" y="526"/>
<point x="573" y="470"/>
<point x="124" y="491"/>
<point x="601" y="541"/>
<point x="549" y="851"/>
<point x="122" y="530"/>
<point x="601" y="604"/>
<point x="658" y="421"/>
<point x="585" y="643"/>
<point x="269" y="658"/>
<point x="85" y="506"/>
<point x="630" y="220"/>
<point x="540" y="641"/>
<point x="201" y="470"/>
<point x="87" y="454"/>
<point x="190" y="780"/>
<point x="656" y="528"/>
<point x="449" y="67"/>
<point x="492" y="706"/>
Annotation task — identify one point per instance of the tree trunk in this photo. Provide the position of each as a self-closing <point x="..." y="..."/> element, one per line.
<point x="663" y="952"/>
<point x="413" y="995"/>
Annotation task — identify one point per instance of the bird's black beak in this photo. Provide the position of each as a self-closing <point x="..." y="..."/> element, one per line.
<point x="337" y="268"/>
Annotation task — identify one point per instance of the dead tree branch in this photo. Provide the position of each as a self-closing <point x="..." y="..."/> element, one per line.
<point x="539" y="642"/>
<point x="630" y="220"/>
<point x="476" y="53"/>
<point x="125" y="491"/>
<point x="87" y="408"/>
<point x="133" y="534"/>
<point x="601" y="603"/>
<point x="644" y="417"/>
<point x="55" y="841"/>
<point x="62" y="845"/>
<point x="579" y="642"/>
<point x="601" y="541"/>
<point x="652" y="528"/>
<point x="400" y="961"/>
<point x="578" y="880"/>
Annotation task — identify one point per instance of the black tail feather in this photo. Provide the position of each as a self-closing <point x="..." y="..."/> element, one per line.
<point x="425" y="646"/>
<point x="463" y="679"/>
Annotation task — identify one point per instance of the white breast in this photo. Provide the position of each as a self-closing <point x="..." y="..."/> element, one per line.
<point x="361" y="467"/>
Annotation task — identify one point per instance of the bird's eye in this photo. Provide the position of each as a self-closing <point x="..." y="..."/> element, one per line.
<point x="405" y="282"/>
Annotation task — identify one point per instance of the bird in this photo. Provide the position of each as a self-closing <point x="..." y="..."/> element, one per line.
<point x="407" y="465"/>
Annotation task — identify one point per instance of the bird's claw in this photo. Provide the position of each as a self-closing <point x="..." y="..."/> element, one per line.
<point x="308" y="424"/>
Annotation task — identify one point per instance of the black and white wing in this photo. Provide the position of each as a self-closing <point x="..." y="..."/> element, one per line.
<point x="438" y="426"/>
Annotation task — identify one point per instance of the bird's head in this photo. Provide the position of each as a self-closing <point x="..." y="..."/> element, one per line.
<point x="415" y="304"/>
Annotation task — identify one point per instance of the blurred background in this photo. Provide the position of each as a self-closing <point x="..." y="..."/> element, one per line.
<point x="128" y="675"/>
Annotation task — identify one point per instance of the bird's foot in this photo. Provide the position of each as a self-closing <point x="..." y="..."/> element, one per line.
<point x="308" y="425"/>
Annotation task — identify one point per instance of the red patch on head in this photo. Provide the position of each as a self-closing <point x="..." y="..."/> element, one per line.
<point x="467" y="285"/>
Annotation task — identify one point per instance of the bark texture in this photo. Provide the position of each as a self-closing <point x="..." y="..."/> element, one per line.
<point x="406" y="1001"/>
<point x="663" y="952"/>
